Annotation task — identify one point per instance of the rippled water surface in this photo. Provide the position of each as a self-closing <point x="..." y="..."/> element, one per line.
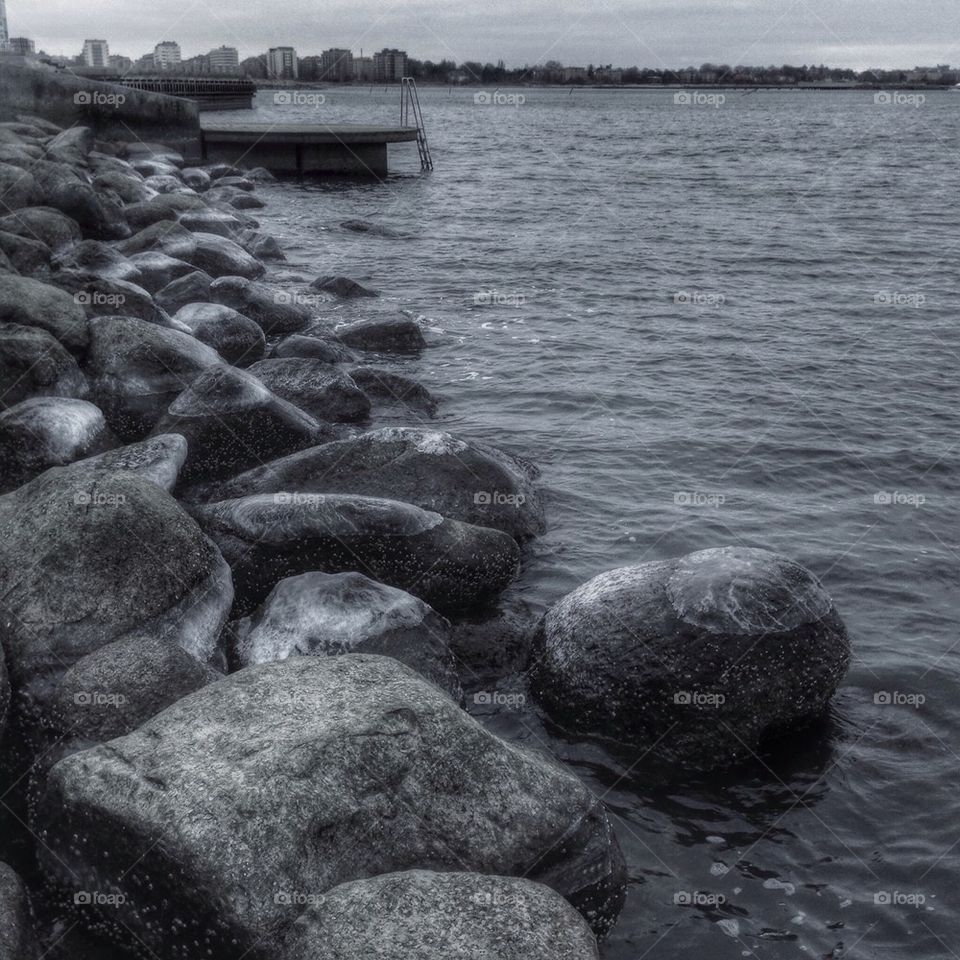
<point x="712" y="325"/>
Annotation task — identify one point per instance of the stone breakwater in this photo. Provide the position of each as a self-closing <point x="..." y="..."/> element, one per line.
<point x="236" y="610"/>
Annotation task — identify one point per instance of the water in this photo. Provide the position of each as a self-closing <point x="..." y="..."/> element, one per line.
<point x="712" y="325"/>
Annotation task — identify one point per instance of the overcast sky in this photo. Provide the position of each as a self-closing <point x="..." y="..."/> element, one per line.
<point x="652" y="33"/>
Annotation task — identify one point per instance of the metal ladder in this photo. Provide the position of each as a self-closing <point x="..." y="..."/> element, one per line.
<point x="410" y="108"/>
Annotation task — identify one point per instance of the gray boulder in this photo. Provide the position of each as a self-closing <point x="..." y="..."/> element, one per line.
<point x="18" y="189"/>
<point x="342" y="287"/>
<point x="97" y="259"/>
<point x="301" y="776"/>
<point x="98" y="216"/>
<point x="31" y="303"/>
<point x="137" y="369"/>
<point x="263" y="247"/>
<point x="17" y="940"/>
<point x="26" y="254"/>
<point x="49" y="226"/>
<point x="326" y="615"/>
<point x="103" y="297"/>
<point x="231" y="421"/>
<point x="221" y="257"/>
<point x="313" y="348"/>
<point x="126" y="188"/>
<point x="311" y="385"/>
<point x="34" y="364"/>
<point x="211" y="221"/>
<point x="72" y="146"/>
<point x="46" y="432"/>
<point x="193" y="288"/>
<point x="391" y="390"/>
<point x="235" y="337"/>
<point x="696" y="659"/>
<point x="277" y="312"/>
<point x="163" y="208"/>
<point x="159" y="152"/>
<point x="453" y="566"/>
<point x="158" y="270"/>
<point x="196" y="178"/>
<point x="156" y="459"/>
<point x="88" y="558"/>
<point x="383" y="335"/>
<point x="425" y="915"/>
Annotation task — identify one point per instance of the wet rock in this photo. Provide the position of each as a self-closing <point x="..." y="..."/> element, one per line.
<point x="87" y="559"/>
<point x="164" y="183"/>
<point x="149" y="167"/>
<point x="235" y="337"/>
<point x="120" y="686"/>
<point x="34" y="364"/>
<point x="237" y="183"/>
<point x="471" y="482"/>
<point x="71" y="146"/>
<point x="374" y="229"/>
<point x="97" y="259"/>
<point x="46" y="432"/>
<point x="698" y="658"/>
<point x="27" y="255"/>
<point x="18" y="189"/>
<point x="453" y="566"/>
<point x="31" y="303"/>
<point x="218" y="171"/>
<point x="161" y="153"/>
<point x="127" y="188"/>
<point x="492" y="646"/>
<point x="264" y="247"/>
<point x="165" y="207"/>
<point x="193" y="288"/>
<point x="211" y="221"/>
<point x="275" y="311"/>
<point x="157" y="459"/>
<point x="393" y="390"/>
<point x="112" y="298"/>
<point x="196" y="178"/>
<point x="17" y="939"/>
<point x="5" y="265"/>
<point x="301" y="776"/>
<point x="260" y="175"/>
<point x="243" y="201"/>
<point x="157" y="270"/>
<point x="4" y="714"/>
<point x="232" y="421"/>
<point x="166" y="236"/>
<point x="386" y="335"/>
<point x="97" y="216"/>
<point x="327" y="615"/>
<point x="314" y="387"/>
<point x="221" y="257"/>
<point x="138" y="369"/>
<point x="49" y="226"/>
<point x="313" y="348"/>
<point x="425" y="915"/>
<point x="342" y="287"/>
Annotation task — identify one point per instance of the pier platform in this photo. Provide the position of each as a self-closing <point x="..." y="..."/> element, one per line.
<point x="349" y="149"/>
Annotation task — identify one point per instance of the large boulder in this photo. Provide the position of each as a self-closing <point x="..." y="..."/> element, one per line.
<point x="394" y="391"/>
<point x="49" y="226"/>
<point x="313" y="348"/>
<point x="163" y="208"/>
<point x="98" y="216"/>
<point x="27" y="254"/>
<point x="342" y="287"/>
<point x="696" y="659"/>
<point x="452" y="566"/>
<point x="88" y="558"/>
<point x="300" y="776"/>
<point x="467" y="481"/>
<point x="138" y="369"/>
<point x="127" y="188"/>
<point x="214" y="255"/>
<point x="18" y="189"/>
<point x="211" y="221"/>
<point x="34" y="364"/>
<point x="383" y="335"/>
<point x="231" y="421"/>
<point x="425" y="915"/>
<point x="157" y="459"/>
<point x="311" y="385"/>
<point x="235" y="337"/>
<point x="325" y="615"/>
<point x="158" y="270"/>
<point x="193" y="288"/>
<point x="31" y="303"/>
<point x="72" y="146"/>
<point x="17" y="940"/>
<point x="103" y="297"/>
<point x="97" y="259"/>
<point x="46" y="432"/>
<point x="276" y="312"/>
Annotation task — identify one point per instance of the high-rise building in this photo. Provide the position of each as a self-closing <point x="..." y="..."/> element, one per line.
<point x="166" y="54"/>
<point x="390" y="66"/>
<point x="224" y="60"/>
<point x="336" y="65"/>
<point x="282" y="63"/>
<point x="123" y="64"/>
<point x="363" y="69"/>
<point x="96" y="53"/>
<point x="20" y="45"/>
<point x="4" y="34"/>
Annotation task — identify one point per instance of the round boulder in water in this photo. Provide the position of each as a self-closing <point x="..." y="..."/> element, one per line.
<point x="235" y="337"/>
<point x="696" y="659"/>
<point x="312" y="386"/>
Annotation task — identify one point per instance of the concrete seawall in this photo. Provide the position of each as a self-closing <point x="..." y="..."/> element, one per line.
<point x="113" y="112"/>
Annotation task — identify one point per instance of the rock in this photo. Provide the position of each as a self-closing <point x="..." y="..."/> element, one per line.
<point x="164" y="183"/>
<point x="232" y="421"/>
<point x="98" y="217"/>
<point x="196" y="178"/>
<point x="157" y="270"/>
<point x="312" y="348"/>
<point x="49" y="226"/>
<point x="394" y="390"/>
<point x="87" y="559"/>
<point x="71" y="146"/>
<point x="97" y="259"/>
<point x="46" y="432"/>
<point x="34" y="364"/>
<point x="453" y="566"/>
<point x="100" y="297"/>
<point x="149" y="167"/>
<point x="120" y="686"/>
<point x="221" y="257"/>
<point x="18" y="189"/>
<point x="237" y="182"/>
<point x="17" y="940"/>
<point x="243" y="201"/>
<point x="26" y="254"/>
<point x="425" y="915"/>
<point x="20" y="155"/>
<point x="166" y="236"/>
<point x="157" y="459"/>
<point x="375" y="229"/>
<point x="313" y="387"/>
<point x="326" y="615"/>
<point x="260" y="175"/>
<point x="159" y="152"/>
<point x="470" y="482"/>
<point x="264" y="247"/>
<point x="127" y="188"/>
<point x="492" y="646"/>
<point x="33" y="304"/>
<point x="193" y="288"/>
<point x="697" y="658"/>
<point x="138" y="369"/>
<point x="212" y="222"/>
<point x="4" y="714"/>
<point x="166" y="206"/>
<point x="342" y="287"/>
<point x="218" y="171"/>
<point x="276" y="312"/>
<point x="300" y="776"/>
<point x="47" y="126"/>
<point x="387" y="335"/>
<point x="235" y="337"/>
<point x="5" y="265"/>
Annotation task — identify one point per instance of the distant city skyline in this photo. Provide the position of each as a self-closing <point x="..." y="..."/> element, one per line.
<point x="860" y="34"/>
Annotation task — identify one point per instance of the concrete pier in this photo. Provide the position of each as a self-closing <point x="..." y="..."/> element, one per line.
<point x="349" y="149"/>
